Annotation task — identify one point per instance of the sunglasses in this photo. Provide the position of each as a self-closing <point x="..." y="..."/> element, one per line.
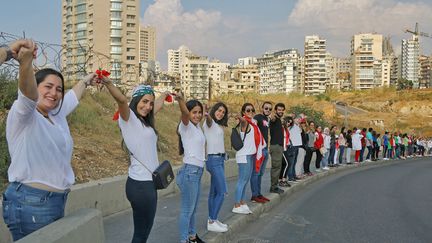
<point x="250" y="110"/>
<point x="268" y="109"/>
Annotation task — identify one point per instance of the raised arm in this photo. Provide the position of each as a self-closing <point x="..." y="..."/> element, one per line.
<point x="12" y="50"/>
<point x="119" y="97"/>
<point x="184" y="111"/>
<point x="159" y="102"/>
<point x="27" y="81"/>
<point x="208" y="119"/>
<point x="80" y="87"/>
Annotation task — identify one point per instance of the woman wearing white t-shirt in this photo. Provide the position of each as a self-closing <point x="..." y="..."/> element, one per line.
<point x="136" y="122"/>
<point x="245" y="158"/>
<point x="213" y="128"/>
<point x="40" y="146"/>
<point x="192" y="147"/>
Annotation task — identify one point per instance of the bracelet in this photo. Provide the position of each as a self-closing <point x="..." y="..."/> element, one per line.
<point x="87" y="83"/>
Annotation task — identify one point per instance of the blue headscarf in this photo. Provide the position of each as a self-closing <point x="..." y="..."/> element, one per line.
<point x="142" y="90"/>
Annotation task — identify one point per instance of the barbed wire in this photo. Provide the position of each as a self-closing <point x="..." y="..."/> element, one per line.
<point x="59" y="57"/>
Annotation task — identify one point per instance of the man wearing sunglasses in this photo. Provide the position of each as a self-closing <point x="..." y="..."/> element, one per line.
<point x="256" y="178"/>
<point x="276" y="146"/>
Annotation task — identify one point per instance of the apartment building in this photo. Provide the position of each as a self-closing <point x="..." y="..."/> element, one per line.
<point x="176" y="59"/>
<point x="240" y="79"/>
<point x="366" y="57"/>
<point x="246" y="61"/>
<point x="315" y="66"/>
<point x="195" y="78"/>
<point x="410" y="66"/>
<point x="101" y="34"/>
<point x="425" y="71"/>
<point x="147" y="47"/>
<point x="278" y="72"/>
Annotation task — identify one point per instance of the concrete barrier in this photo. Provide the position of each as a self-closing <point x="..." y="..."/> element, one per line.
<point x="108" y="195"/>
<point x="84" y="226"/>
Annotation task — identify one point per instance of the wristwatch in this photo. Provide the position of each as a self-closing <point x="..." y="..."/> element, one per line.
<point x="8" y="52"/>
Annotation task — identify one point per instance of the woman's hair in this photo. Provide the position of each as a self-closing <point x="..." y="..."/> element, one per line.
<point x="148" y="120"/>
<point x="189" y="105"/>
<point x="224" y="120"/>
<point x="288" y="121"/>
<point x="41" y="76"/>
<point x="243" y="109"/>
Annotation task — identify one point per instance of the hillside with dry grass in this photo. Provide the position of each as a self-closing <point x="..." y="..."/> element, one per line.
<point x="97" y="141"/>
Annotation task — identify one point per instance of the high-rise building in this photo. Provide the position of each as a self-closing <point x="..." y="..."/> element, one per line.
<point x="315" y="73"/>
<point x="425" y="71"/>
<point x="410" y="66"/>
<point x="246" y="61"/>
<point x="278" y="72"/>
<point x="176" y="59"/>
<point x="366" y="56"/>
<point x="342" y="69"/>
<point x="240" y="79"/>
<point x="101" y="34"/>
<point x="147" y="45"/>
<point x="195" y="77"/>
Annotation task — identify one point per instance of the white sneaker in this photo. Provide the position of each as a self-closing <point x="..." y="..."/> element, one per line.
<point x="326" y="168"/>
<point x="221" y="224"/>
<point x="240" y="210"/>
<point x="215" y="227"/>
<point x="245" y="206"/>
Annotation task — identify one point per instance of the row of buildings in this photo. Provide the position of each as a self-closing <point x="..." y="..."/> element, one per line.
<point x="93" y="38"/>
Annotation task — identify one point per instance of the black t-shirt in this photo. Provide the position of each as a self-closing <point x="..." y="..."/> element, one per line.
<point x="263" y="124"/>
<point x="276" y="132"/>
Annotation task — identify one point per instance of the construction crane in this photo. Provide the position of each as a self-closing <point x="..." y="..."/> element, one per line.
<point x="417" y="33"/>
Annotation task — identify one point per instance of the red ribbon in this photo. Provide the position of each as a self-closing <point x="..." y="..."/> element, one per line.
<point x="102" y="73"/>
<point x="116" y="115"/>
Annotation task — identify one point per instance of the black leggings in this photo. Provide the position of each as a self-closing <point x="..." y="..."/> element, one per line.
<point x="308" y="158"/>
<point x="142" y="196"/>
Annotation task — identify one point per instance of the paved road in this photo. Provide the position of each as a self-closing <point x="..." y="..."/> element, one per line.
<point x="119" y="227"/>
<point x="349" y="110"/>
<point x="384" y="204"/>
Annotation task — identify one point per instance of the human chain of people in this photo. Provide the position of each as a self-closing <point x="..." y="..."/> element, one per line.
<point x="40" y="145"/>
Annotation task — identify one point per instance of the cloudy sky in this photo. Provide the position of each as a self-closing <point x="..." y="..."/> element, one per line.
<point x="229" y="29"/>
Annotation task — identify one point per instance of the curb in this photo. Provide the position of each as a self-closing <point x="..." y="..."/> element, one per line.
<point x="236" y="221"/>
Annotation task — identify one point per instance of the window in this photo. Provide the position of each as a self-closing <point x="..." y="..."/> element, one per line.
<point x="81" y="26"/>
<point x="116" y="6"/>
<point x="116" y="32"/>
<point x="130" y="25"/>
<point x="130" y="58"/>
<point x="130" y="49"/>
<point x="115" y="39"/>
<point x="81" y="17"/>
<point x="116" y="49"/>
<point x="115" y="23"/>
<point x="130" y="16"/>
<point x="130" y="7"/>
<point x="130" y="41"/>
<point x="116" y="15"/>
<point x="80" y="8"/>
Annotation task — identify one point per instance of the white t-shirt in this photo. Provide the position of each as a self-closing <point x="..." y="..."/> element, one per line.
<point x="40" y="151"/>
<point x="214" y="137"/>
<point x="295" y="135"/>
<point x="142" y="143"/>
<point x="248" y="148"/>
<point x="193" y="140"/>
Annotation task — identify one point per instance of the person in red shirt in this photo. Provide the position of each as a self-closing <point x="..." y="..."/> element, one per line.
<point x="363" y="143"/>
<point x="318" y="144"/>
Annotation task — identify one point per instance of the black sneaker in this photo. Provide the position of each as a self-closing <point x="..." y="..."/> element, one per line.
<point x="196" y="240"/>
<point x="277" y="190"/>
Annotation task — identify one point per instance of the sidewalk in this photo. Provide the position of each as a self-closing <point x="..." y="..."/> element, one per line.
<point x="119" y="227"/>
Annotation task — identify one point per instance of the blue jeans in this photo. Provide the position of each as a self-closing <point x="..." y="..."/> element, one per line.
<point x="325" y="158"/>
<point x="361" y="153"/>
<point x="245" y="172"/>
<point x="218" y="188"/>
<point x="292" y="160"/>
<point x="142" y="196"/>
<point x="341" y="153"/>
<point x="189" y="182"/>
<point x="370" y="151"/>
<point x="256" y="177"/>
<point x="27" y="209"/>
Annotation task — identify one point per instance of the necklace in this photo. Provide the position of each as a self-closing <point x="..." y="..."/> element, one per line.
<point x="46" y="116"/>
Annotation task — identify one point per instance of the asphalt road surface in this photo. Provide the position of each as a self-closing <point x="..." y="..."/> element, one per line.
<point x="383" y="204"/>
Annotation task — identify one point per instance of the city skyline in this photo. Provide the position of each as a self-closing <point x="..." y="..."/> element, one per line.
<point x="228" y="30"/>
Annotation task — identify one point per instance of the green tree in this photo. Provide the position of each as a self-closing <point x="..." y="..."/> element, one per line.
<point x="404" y="84"/>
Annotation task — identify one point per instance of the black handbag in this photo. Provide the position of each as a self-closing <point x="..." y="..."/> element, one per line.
<point x="162" y="176"/>
<point x="236" y="140"/>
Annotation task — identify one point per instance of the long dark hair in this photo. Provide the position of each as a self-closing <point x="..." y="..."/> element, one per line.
<point x="224" y="120"/>
<point x="41" y="76"/>
<point x="243" y="109"/>
<point x="189" y="105"/>
<point x="148" y="120"/>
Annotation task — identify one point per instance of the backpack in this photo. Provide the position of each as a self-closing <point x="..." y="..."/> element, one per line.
<point x="236" y="140"/>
